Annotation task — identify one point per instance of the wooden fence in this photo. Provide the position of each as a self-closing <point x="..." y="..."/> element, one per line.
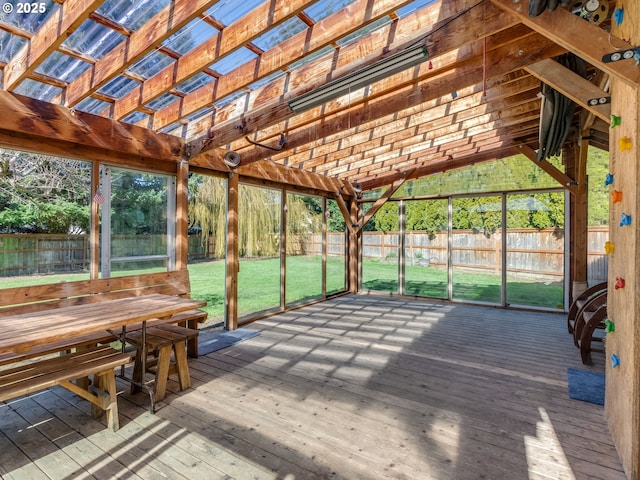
<point x="529" y="251"/>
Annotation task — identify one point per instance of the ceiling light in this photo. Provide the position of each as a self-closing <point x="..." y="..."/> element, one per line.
<point x="360" y="78"/>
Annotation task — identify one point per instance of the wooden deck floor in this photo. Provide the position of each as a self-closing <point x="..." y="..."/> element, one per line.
<point x="359" y="387"/>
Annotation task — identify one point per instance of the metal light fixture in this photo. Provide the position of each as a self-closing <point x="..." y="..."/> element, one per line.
<point x="372" y="73"/>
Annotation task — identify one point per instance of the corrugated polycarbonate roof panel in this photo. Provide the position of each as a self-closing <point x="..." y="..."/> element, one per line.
<point x="190" y="36"/>
<point x="131" y="13"/>
<point x="151" y="64"/>
<point x="10" y="45"/>
<point x="92" y="105"/>
<point x="321" y="10"/>
<point x="26" y="15"/>
<point x="135" y="117"/>
<point x="228" y="11"/>
<point x="118" y="87"/>
<point x="412" y="7"/>
<point x="62" y="67"/>
<point x="233" y="60"/>
<point x="38" y="90"/>
<point x="194" y="83"/>
<point x="162" y="101"/>
<point x="364" y="31"/>
<point x="93" y="39"/>
<point x="280" y="33"/>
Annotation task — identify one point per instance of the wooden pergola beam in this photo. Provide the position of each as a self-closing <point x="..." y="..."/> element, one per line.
<point x="562" y="178"/>
<point x="439" y="37"/>
<point x="266" y="15"/>
<point x="587" y="40"/>
<point x="571" y="85"/>
<point x="49" y="36"/>
<point x="44" y="123"/>
<point x="393" y="188"/>
<point x="161" y="26"/>
<point x="440" y="166"/>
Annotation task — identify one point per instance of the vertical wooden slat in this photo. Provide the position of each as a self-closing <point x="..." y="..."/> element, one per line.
<point x="325" y="246"/>
<point x="233" y="264"/>
<point x="283" y="253"/>
<point x="575" y="160"/>
<point x="182" y="215"/>
<point x="354" y="248"/>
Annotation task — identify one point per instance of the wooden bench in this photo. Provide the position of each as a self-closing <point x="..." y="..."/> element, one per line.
<point x="99" y="361"/>
<point x="42" y="297"/>
<point x="161" y="342"/>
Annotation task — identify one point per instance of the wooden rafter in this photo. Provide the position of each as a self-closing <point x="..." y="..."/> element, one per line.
<point x="165" y="23"/>
<point x="393" y="188"/>
<point x="239" y="33"/>
<point x="562" y="178"/>
<point x="325" y="32"/>
<point x="55" y="30"/>
<point x="277" y="111"/>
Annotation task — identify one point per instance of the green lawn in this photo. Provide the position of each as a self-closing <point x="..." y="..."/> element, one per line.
<point x="259" y="283"/>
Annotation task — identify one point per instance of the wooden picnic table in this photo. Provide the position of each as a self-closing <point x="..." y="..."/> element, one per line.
<point x="21" y="332"/>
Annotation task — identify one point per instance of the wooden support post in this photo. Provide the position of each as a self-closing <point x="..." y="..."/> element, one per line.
<point x="355" y="236"/>
<point x="575" y="158"/>
<point x="283" y="253"/>
<point x="182" y="215"/>
<point x="94" y="235"/>
<point x="622" y="403"/>
<point x="233" y="263"/>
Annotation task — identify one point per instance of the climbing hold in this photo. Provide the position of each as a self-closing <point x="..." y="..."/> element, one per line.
<point x="615" y="120"/>
<point x="618" y="16"/>
<point x="616" y="196"/>
<point x="625" y="144"/>
<point x="608" y="179"/>
<point x="615" y="360"/>
<point x="608" y="247"/>
<point x="619" y="283"/>
<point x="430" y="65"/>
<point x="454" y="95"/>
<point x="625" y="219"/>
<point x="609" y="326"/>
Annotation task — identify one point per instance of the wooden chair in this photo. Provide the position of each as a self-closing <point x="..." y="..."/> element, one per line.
<point x="581" y="300"/>
<point x="592" y="304"/>
<point x="591" y="321"/>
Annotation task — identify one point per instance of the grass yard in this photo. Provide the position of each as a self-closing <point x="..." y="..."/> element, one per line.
<point x="259" y="283"/>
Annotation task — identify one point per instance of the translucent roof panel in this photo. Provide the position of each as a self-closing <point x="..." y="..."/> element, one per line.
<point x="280" y="33"/>
<point x="93" y="39"/>
<point x="268" y="79"/>
<point x="62" y="67"/>
<point x="312" y="57"/>
<point x="237" y="58"/>
<point x="174" y="129"/>
<point x="228" y="99"/>
<point x="9" y="45"/>
<point x="412" y="7"/>
<point x="38" y="90"/>
<point x="131" y="13"/>
<point x="203" y="112"/>
<point x="135" y="117"/>
<point x="92" y="105"/>
<point x="30" y="15"/>
<point x="228" y="11"/>
<point x="151" y="64"/>
<point x="194" y="83"/>
<point x="321" y="10"/>
<point x="364" y="31"/>
<point x="162" y="101"/>
<point x="118" y="87"/>
<point x="190" y="36"/>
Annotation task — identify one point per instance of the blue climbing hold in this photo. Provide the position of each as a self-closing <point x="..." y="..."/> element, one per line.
<point x="609" y="179"/>
<point x="625" y="219"/>
<point x="615" y="360"/>
<point x="618" y="16"/>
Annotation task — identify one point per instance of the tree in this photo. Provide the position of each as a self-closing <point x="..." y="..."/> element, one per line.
<point x="43" y="194"/>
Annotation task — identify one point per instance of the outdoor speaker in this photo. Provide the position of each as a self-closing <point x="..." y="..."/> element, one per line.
<point x="232" y="159"/>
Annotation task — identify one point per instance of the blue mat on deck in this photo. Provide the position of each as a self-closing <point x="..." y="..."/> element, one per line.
<point x="214" y="341"/>
<point x="586" y="386"/>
